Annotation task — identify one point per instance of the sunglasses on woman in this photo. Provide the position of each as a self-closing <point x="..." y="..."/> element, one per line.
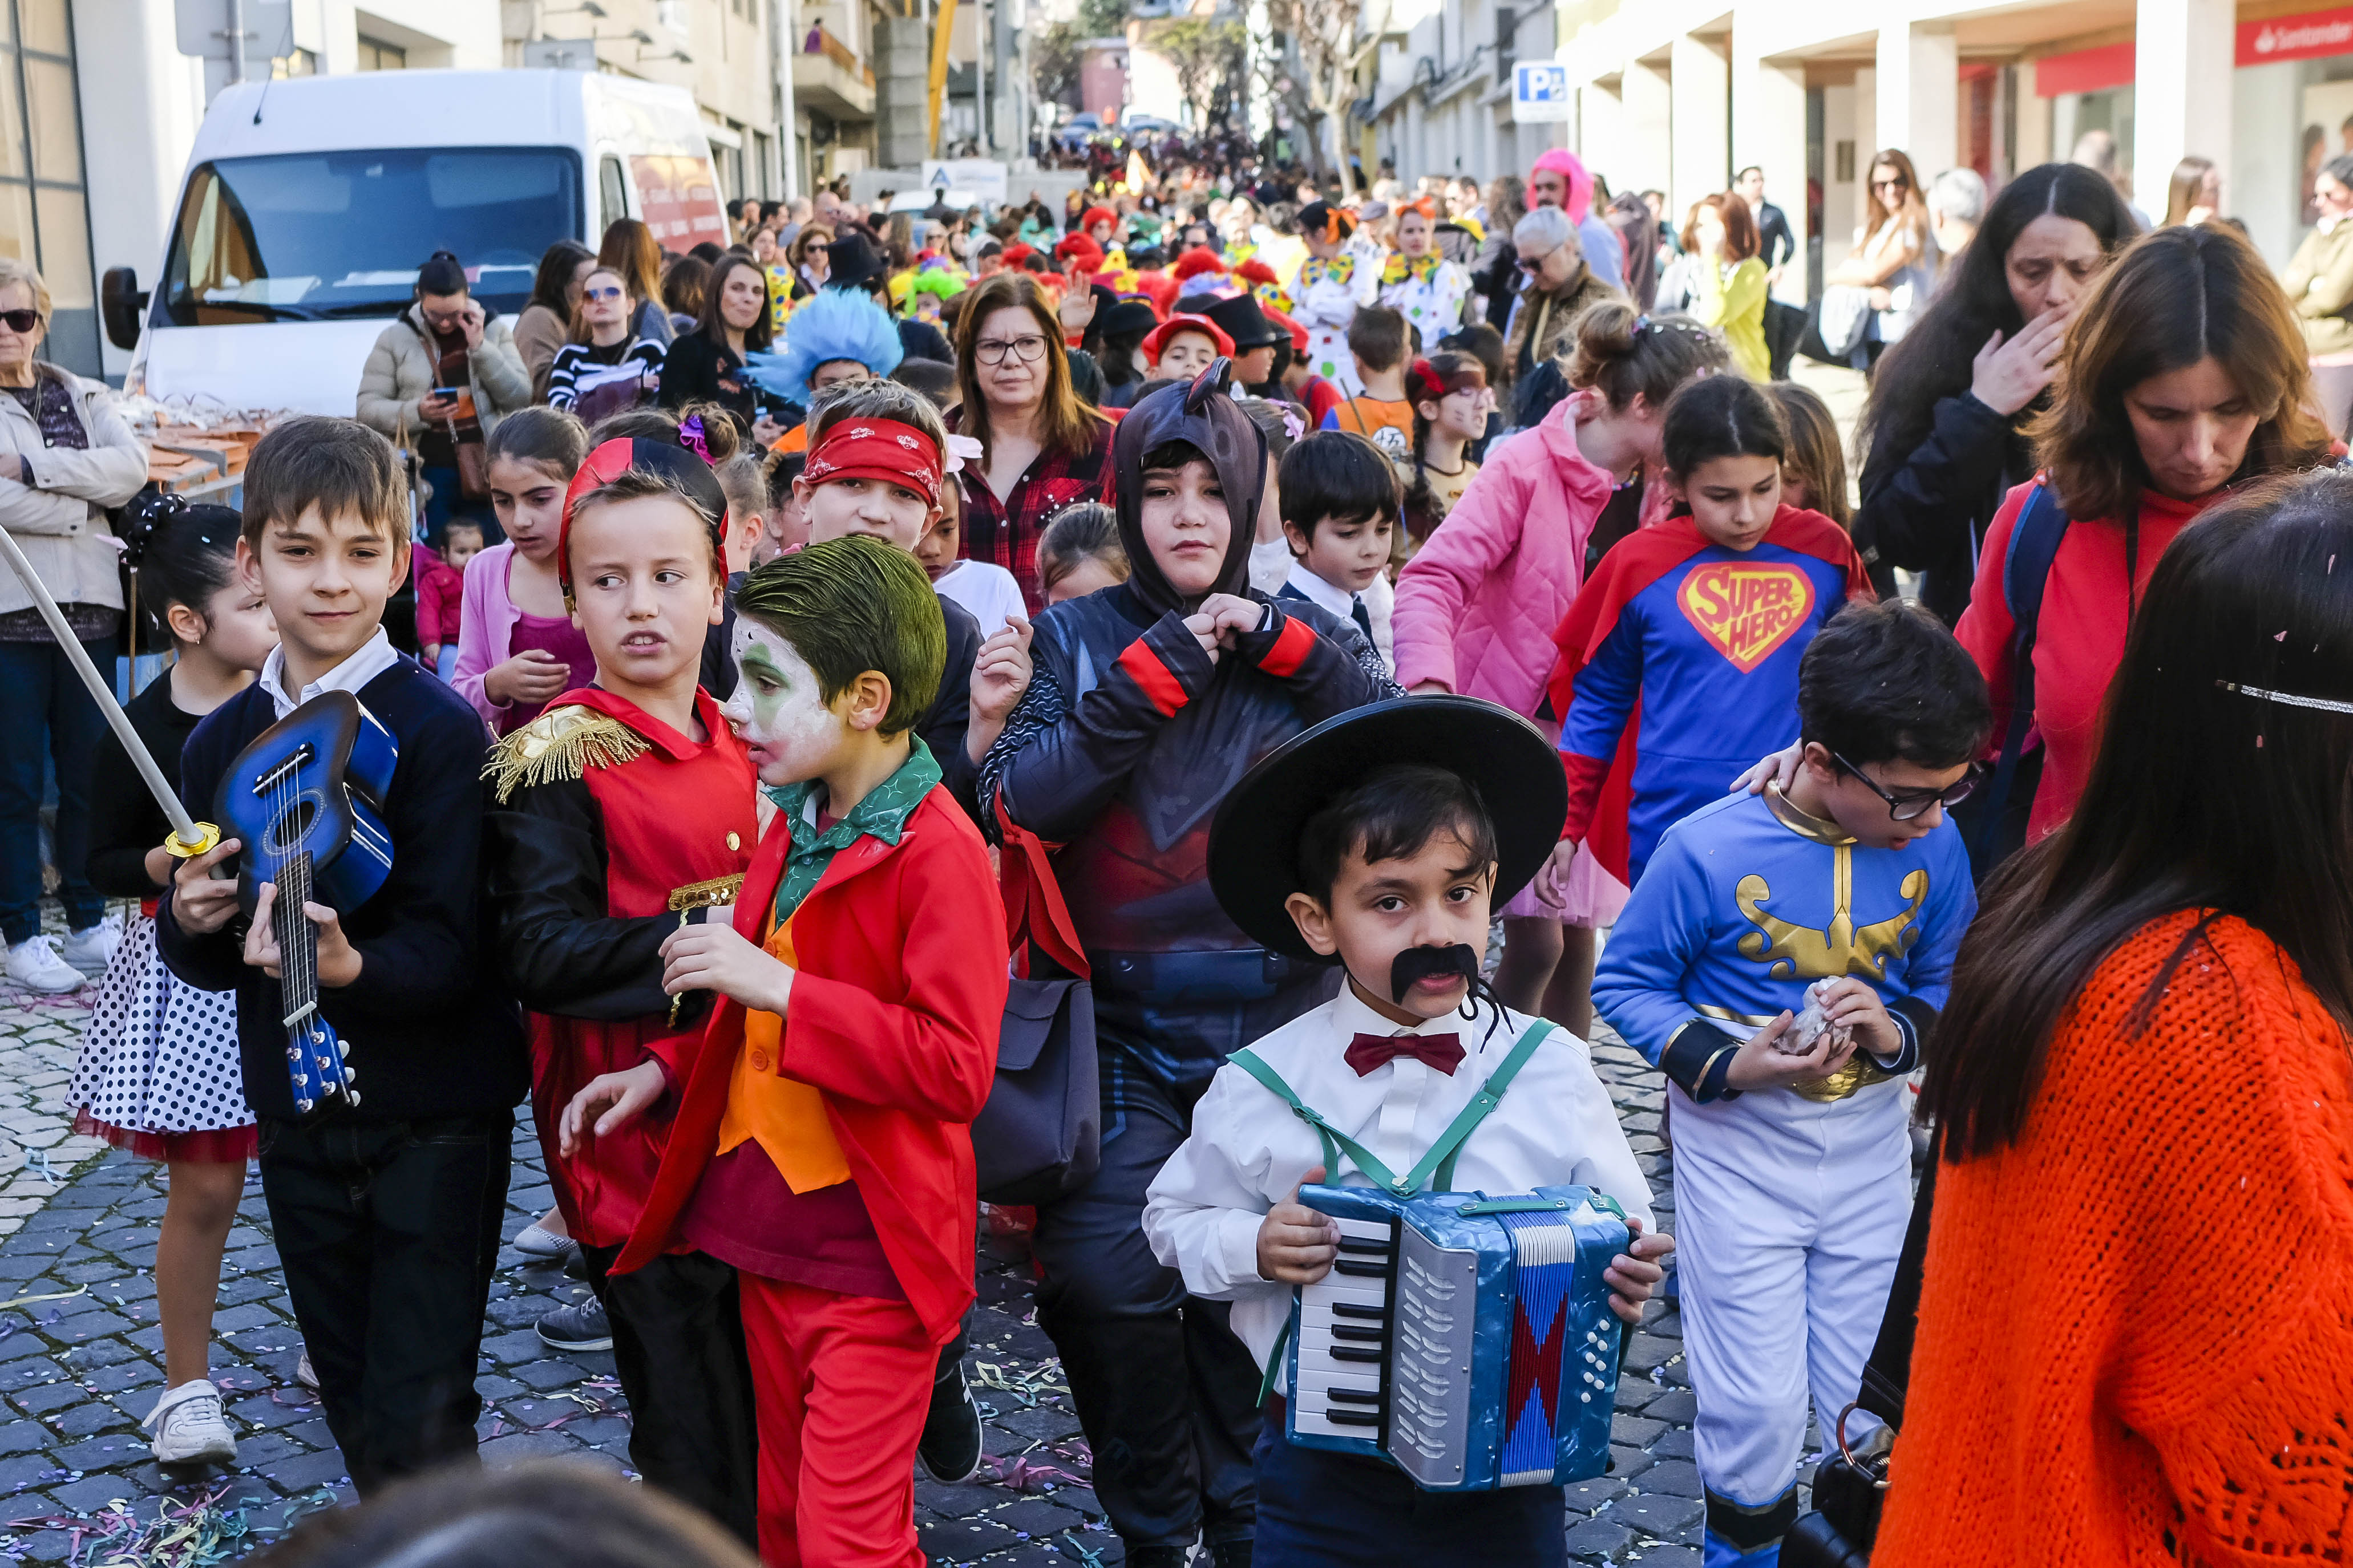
<point x="609" y="292"/>
<point x="21" y="322"/>
<point x="1904" y="807"/>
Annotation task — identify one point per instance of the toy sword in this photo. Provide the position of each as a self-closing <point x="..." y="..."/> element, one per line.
<point x="189" y="836"/>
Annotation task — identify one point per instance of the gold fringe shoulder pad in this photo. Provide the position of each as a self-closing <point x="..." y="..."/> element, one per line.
<point x="561" y="744"/>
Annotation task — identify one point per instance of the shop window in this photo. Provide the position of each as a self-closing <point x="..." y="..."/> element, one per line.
<point x="376" y="55"/>
<point x="44" y="216"/>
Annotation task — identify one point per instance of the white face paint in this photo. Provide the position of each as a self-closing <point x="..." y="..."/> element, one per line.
<point x="778" y="709"/>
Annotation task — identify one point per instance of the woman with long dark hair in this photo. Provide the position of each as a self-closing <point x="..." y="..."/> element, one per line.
<point x="707" y="364"/>
<point x="545" y="324"/>
<point x="2136" y="1327"/>
<point x="1942" y="437"/>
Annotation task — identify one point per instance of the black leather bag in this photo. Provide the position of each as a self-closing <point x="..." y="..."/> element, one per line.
<point x="1039" y="1137"/>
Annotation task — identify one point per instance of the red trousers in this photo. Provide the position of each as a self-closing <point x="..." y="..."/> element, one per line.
<point x="842" y="1384"/>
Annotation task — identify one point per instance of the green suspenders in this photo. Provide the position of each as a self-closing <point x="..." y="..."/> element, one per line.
<point x="1438" y="1162"/>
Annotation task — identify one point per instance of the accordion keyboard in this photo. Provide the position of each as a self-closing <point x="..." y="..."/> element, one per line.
<point x="1343" y="1335"/>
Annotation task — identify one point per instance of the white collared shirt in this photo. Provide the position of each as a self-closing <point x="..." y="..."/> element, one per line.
<point x="1319" y="592"/>
<point x="375" y="656"/>
<point x="1556" y="1126"/>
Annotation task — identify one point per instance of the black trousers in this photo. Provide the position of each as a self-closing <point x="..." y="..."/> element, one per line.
<point x="1167" y="1395"/>
<point x="388" y="1232"/>
<point x="678" y="1344"/>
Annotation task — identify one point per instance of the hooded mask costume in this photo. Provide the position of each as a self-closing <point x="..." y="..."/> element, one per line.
<point x="1132" y="734"/>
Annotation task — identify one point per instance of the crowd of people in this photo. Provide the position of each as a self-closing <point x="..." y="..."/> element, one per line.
<point x="1380" y="633"/>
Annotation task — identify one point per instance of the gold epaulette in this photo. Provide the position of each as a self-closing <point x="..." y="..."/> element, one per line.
<point x="562" y="743"/>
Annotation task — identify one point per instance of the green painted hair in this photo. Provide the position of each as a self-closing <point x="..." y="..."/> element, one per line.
<point x="850" y="605"/>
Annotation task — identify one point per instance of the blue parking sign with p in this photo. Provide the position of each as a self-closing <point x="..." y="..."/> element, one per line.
<point x="1543" y="81"/>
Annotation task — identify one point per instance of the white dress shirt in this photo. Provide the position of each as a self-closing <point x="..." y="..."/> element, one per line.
<point x="1556" y="1126"/>
<point x="375" y="656"/>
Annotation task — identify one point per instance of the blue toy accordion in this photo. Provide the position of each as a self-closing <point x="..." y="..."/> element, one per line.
<point x="1466" y="1340"/>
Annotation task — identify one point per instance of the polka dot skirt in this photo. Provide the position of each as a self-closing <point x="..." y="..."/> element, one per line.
<point x="160" y="1055"/>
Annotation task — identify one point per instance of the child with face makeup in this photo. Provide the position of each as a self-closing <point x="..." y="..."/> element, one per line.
<point x="821" y="1142"/>
<point x="1149" y="700"/>
<point x="1379" y="844"/>
<point x="622" y="813"/>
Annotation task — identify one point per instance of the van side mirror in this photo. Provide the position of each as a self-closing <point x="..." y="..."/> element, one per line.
<point x="121" y="304"/>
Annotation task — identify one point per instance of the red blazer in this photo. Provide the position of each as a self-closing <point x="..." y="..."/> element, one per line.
<point x="894" y="1017"/>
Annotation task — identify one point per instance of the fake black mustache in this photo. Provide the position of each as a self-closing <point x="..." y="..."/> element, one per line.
<point x="1417" y="964"/>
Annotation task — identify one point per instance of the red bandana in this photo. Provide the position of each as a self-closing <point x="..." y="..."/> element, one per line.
<point x="882" y="449"/>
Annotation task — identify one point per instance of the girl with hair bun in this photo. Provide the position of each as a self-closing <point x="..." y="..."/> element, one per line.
<point x="159" y="1073"/>
<point x="1476" y="605"/>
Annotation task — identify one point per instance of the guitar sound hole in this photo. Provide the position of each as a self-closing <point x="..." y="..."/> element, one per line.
<point x="293" y="825"/>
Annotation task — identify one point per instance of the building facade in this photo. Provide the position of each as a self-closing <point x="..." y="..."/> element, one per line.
<point x="1683" y="95"/>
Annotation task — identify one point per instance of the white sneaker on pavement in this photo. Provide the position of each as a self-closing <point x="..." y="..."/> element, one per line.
<point x="189" y="1427"/>
<point x="306" y="1374"/>
<point x="34" y="965"/>
<point x="535" y="1241"/>
<point x="92" y="950"/>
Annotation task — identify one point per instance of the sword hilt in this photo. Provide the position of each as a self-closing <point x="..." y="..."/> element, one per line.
<point x="204" y="838"/>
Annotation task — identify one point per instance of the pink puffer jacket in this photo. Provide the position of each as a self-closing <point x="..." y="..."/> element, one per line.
<point x="1477" y="604"/>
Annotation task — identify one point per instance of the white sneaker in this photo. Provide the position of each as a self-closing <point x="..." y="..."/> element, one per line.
<point x="34" y="965"/>
<point x="305" y="1374"/>
<point x="189" y="1427"/>
<point x="535" y="1241"/>
<point x="92" y="950"/>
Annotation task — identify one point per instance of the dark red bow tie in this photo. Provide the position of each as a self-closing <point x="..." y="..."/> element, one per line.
<point x="1444" y="1052"/>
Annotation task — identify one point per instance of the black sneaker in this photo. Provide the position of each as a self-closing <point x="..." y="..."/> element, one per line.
<point x="579" y="1327"/>
<point x="950" y="1450"/>
<point x="1234" y="1553"/>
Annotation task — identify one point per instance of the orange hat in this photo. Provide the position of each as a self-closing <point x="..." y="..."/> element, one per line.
<point x="1157" y="337"/>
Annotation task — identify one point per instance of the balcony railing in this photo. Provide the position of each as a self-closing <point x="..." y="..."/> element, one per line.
<point x="820" y="42"/>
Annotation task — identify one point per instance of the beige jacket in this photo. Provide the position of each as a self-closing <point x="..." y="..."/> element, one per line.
<point x="59" y="518"/>
<point x="400" y="373"/>
<point x="2319" y="284"/>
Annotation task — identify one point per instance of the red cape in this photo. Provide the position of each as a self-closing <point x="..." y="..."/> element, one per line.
<point x="1633" y="565"/>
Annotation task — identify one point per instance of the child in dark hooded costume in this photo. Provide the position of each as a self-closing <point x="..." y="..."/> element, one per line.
<point x="1150" y="700"/>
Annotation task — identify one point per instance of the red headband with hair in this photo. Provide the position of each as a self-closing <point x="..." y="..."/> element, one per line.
<point x="678" y="466"/>
<point x="1428" y="384"/>
<point x="881" y="450"/>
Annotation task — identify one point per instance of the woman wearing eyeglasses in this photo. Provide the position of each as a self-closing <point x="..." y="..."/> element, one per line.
<point x="2183" y="378"/>
<point x="1894" y="254"/>
<point x="2135" y="1339"/>
<point x="1042" y="447"/>
<point x="1557" y="288"/>
<point x="601" y="343"/>
<point x="66" y="455"/>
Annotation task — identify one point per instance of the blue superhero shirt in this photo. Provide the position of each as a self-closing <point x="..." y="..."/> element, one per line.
<point x="1748" y="901"/>
<point x="1699" y="647"/>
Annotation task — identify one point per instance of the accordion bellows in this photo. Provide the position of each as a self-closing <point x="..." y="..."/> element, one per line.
<point x="1466" y="1340"/>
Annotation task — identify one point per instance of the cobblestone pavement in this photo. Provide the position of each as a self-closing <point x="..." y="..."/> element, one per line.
<point x="81" y="1354"/>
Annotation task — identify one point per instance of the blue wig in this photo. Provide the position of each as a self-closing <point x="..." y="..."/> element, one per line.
<point x="835" y="323"/>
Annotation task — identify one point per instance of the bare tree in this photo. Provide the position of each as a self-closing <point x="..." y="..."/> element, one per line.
<point x="1202" y="53"/>
<point x="1323" y="33"/>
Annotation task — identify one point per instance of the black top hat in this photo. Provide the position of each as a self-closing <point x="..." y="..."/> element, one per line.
<point x="851" y="262"/>
<point x="1245" y="322"/>
<point x="1254" y="839"/>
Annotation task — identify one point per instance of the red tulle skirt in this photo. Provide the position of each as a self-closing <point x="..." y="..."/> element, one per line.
<point x="219" y="1146"/>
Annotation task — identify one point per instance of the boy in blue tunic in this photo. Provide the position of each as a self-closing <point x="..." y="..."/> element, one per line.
<point x="1782" y="962"/>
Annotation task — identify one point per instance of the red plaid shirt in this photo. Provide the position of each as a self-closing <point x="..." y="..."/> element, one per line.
<point x="1005" y="532"/>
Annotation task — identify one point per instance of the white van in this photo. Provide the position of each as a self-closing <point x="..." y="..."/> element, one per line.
<point x="309" y="203"/>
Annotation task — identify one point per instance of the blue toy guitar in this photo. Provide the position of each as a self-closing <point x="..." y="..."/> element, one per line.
<point x="306" y="800"/>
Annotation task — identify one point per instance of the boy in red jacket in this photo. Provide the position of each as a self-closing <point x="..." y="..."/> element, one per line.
<point x="821" y="1142"/>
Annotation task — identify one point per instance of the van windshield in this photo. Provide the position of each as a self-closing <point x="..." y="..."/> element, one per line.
<point x="306" y="237"/>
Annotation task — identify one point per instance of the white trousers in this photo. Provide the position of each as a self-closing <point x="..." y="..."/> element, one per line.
<point x="1788" y="1218"/>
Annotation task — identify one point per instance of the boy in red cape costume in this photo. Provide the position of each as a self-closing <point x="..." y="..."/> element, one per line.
<point x="607" y="826"/>
<point x="821" y="1142"/>
<point x="1690" y="645"/>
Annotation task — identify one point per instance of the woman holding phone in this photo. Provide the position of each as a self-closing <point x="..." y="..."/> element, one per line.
<point x="439" y="381"/>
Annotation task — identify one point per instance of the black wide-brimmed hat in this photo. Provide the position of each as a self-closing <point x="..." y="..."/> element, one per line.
<point x="1254" y="839"/>
<point x="1245" y="322"/>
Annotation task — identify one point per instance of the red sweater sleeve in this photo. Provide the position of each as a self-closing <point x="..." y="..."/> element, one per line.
<point x="1985" y="628"/>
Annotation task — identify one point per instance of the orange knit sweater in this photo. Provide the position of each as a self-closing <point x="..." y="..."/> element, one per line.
<point x="2135" y="1336"/>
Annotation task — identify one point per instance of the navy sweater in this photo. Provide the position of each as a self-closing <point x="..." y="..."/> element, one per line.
<point x="431" y="1034"/>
